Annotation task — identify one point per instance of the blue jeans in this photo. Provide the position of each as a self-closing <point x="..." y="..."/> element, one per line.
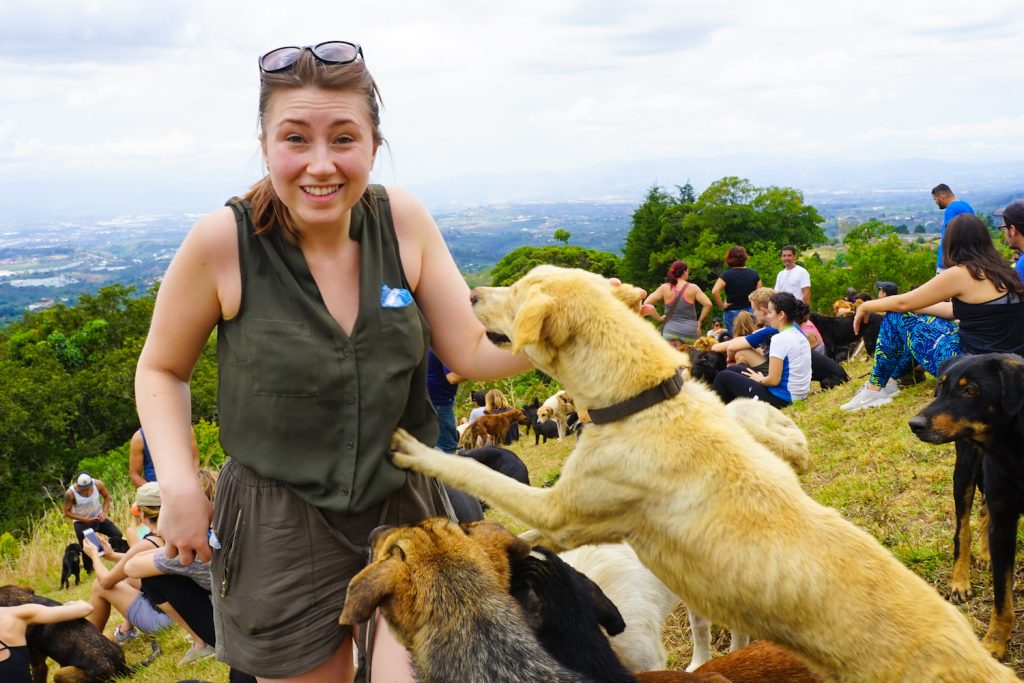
<point x="448" y="438"/>
<point x="729" y="317"/>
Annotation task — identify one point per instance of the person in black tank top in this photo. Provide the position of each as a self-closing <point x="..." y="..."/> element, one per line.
<point x="14" y="620"/>
<point x="927" y="316"/>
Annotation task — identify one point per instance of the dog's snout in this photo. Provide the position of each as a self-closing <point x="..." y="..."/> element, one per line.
<point x="918" y="424"/>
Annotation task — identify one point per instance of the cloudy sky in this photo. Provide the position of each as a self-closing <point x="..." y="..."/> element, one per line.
<point x="112" y="102"/>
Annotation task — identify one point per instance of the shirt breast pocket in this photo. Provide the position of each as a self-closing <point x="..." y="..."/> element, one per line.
<point x="403" y="339"/>
<point x="283" y="357"/>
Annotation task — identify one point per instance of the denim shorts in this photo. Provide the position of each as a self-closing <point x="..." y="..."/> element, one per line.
<point x="280" y="578"/>
<point x="145" y="616"/>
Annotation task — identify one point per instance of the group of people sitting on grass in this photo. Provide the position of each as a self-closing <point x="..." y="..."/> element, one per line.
<point x="974" y="304"/>
<point x="150" y="590"/>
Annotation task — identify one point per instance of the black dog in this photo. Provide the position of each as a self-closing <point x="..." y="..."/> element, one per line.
<point x="837" y="334"/>
<point x="74" y="643"/>
<point x="530" y="411"/>
<point x="500" y="460"/>
<point x="71" y="565"/>
<point x="546" y="430"/>
<point x="980" y="399"/>
<point x="705" y="365"/>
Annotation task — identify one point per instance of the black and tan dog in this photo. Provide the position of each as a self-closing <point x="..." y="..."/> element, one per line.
<point x="981" y="399"/>
<point x="83" y="653"/>
<point x="445" y="597"/>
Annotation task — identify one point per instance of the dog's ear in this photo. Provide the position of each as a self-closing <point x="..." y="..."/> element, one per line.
<point x="368" y="590"/>
<point x="608" y="614"/>
<point x="630" y="295"/>
<point x="1011" y="371"/>
<point x="500" y="545"/>
<point x="535" y="321"/>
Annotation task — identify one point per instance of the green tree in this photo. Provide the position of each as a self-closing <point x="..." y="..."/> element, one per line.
<point x="655" y="236"/>
<point x="517" y="263"/>
<point x="918" y="229"/>
<point x="700" y="230"/>
<point x="902" y="229"/>
<point x="561" y="235"/>
<point x="868" y="231"/>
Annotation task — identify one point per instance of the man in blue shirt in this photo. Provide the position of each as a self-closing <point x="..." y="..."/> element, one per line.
<point x="951" y="208"/>
<point x="1012" y="226"/>
<point x="442" y="385"/>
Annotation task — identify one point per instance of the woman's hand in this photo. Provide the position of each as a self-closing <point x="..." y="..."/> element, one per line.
<point x="185" y="523"/>
<point x="754" y="375"/>
<point x="861" y="316"/>
<point x="91" y="550"/>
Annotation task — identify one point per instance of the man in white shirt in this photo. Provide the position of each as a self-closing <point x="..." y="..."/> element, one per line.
<point x="793" y="278"/>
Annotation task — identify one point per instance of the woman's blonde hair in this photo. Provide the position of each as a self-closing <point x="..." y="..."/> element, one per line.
<point x="743" y="325"/>
<point x="208" y="483"/>
<point x="495" y="400"/>
<point x="151" y="513"/>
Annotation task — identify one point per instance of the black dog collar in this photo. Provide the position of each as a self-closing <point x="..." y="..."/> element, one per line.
<point x="664" y="391"/>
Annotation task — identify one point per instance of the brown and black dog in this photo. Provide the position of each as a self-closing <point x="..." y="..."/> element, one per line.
<point x="492" y="428"/>
<point x="981" y="399"/>
<point x="444" y="591"/>
<point x="445" y="597"/>
<point x="84" y="654"/>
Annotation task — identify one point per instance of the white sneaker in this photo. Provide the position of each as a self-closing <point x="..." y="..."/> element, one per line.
<point x="891" y="387"/>
<point x="194" y="654"/>
<point x="866" y="398"/>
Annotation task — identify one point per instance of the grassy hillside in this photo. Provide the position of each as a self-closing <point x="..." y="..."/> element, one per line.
<point x="867" y="465"/>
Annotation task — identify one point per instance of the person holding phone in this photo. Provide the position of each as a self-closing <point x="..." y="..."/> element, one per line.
<point x="110" y="589"/>
<point x="87" y="505"/>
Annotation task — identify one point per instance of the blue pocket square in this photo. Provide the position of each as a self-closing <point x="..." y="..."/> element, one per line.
<point x="394" y="298"/>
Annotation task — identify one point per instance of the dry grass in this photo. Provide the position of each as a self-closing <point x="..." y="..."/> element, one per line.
<point x="867" y="465"/>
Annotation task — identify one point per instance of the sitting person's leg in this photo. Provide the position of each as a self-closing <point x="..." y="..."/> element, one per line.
<point x="749" y="357"/>
<point x="732" y="385"/>
<point x="903" y="339"/>
<point x="186" y="602"/>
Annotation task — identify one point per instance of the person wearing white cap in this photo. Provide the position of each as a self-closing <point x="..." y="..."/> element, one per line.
<point x="84" y="507"/>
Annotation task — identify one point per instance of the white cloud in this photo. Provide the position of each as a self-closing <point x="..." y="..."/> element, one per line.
<point x="535" y="85"/>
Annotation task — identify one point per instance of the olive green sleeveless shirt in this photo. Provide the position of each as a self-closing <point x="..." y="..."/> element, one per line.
<point x="304" y="403"/>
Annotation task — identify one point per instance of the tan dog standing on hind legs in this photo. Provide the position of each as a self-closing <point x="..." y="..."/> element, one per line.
<point x="734" y="534"/>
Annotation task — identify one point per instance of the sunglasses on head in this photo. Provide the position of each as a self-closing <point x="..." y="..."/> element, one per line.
<point x="331" y="52"/>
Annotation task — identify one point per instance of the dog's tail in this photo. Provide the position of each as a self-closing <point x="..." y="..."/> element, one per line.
<point x="774" y="430"/>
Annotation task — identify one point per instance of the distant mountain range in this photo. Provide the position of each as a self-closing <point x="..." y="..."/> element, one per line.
<point x="45" y="257"/>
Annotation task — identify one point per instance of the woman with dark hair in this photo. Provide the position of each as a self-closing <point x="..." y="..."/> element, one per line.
<point x="681" y="324"/>
<point x="789" y="360"/>
<point x="738" y="281"/>
<point x="979" y="289"/>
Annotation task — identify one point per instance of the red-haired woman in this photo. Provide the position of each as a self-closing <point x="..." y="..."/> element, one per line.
<point x="679" y="299"/>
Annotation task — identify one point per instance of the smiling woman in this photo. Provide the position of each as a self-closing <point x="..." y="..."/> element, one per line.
<point x="317" y="369"/>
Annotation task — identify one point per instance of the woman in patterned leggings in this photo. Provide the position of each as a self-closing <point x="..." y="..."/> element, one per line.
<point x="979" y="289"/>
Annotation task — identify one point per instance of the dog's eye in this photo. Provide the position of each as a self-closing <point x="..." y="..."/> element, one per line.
<point x="970" y="391"/>
<point x="396" y="551"/>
